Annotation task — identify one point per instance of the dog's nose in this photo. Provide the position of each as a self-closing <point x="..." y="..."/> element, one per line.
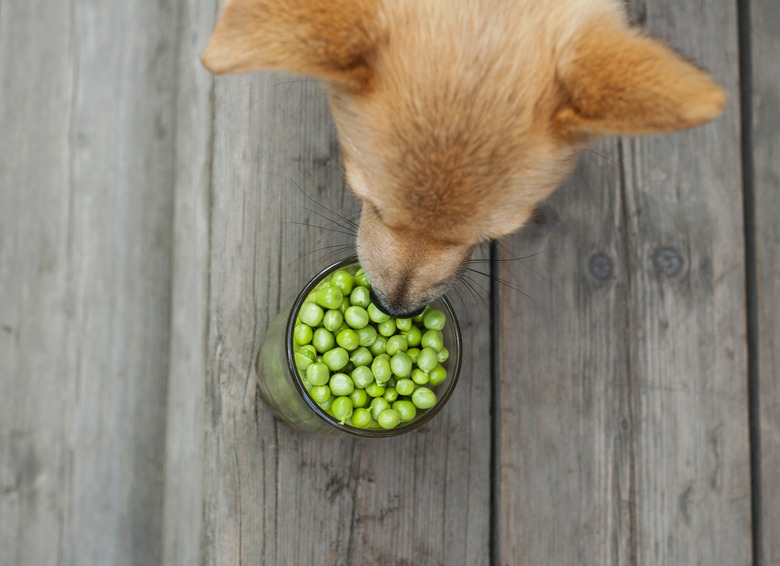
<point x="394" y="310"/>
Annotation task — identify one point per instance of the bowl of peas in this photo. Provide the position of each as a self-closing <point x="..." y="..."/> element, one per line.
<point x="333" y="364"/>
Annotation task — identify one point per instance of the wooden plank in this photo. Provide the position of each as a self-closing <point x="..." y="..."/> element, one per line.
<point x="272" y="496"/>
<point x="87" y="191"/>
<point x="564" y="430"/>
<point x="183" y="509"/>
<point x="627" y="438"/>
<point x="688" y="329"/>
<point x="34" y="272"/>
<point x="765" y="38"/>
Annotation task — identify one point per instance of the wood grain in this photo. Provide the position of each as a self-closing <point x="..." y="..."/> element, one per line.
<point x="86" y="220"/>
<point x="154" y="219"/>
<point x="765" y="39"/>
<point x="184" y="464"/>
<point x="273" y="496"/>
<point x="633" y="390"/>
<point x="565" y="456"/>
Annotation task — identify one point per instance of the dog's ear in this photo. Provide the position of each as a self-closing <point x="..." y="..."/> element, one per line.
<point x="615" y="80"/>
<point x="328" y="39"/>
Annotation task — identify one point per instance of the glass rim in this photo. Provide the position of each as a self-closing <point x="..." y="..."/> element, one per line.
<point x="319" y="411"/>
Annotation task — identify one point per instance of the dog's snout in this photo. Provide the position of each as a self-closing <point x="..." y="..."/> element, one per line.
<point x="393" y="308"/>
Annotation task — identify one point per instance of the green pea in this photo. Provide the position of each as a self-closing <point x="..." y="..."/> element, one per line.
<point x="374" y="389"/>
<point x="342" y="408"/>
<point x="323" y="340"/>
<point x="377" y="406"/>
<point x="361" y="278"/>
<point x="427" y="359"/>
<point x="413" y="336"/>
<point x="403" y="324"/>
<point x="413" y="353"/>
<point x="361" y="418"/>
<point x="444" y="353"/>
<point x="345" y="304"/>
<point x="380" y="367"/>
<point x="335" y="359"/>
<point x="386" y="328"/>
<point x="340" y="384"/>
<point x="301" y="362"/>
<point x="367" y="336"/>
<point x="405" y="409"/>
<point x="318" y="374"/>
<point x="326" y="405"/>
<point x="344" y="281"/>
<point x="423" y="398"/>
<point x="405" y="387"/>
<point x="390" y="394"/>
<point x="434" y="319"/>
<point x="361" y="357"/>
<point x="419" y="376"/>
<point x="356" y="317"/>
<point x="396" y="343"/>
<point x="376" y="315"/>
<point x="320" y="393"/>
<point x="348" y="339"/>
<point x="379" y="346"/>
<point x="419" y="318"/>
<point x="302" y="333"/>
<point x="432" y="339"/>
<point x="360" y="297"/>
<point x="362" y="377"/>
<point x="306" y="384"/>
<point x="437" y="375"/>
<point x="359" y="398"/>
<point x="311" y="314"/>
<point x="329" y="297"/>
<point x="333" y="320"/>
<point x="401" y="364"/>
<point x="388" y="419"/>
<point x="308" y="351"/>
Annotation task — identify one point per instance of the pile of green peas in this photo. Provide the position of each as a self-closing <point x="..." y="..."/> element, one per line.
<point x="367" y="369"/>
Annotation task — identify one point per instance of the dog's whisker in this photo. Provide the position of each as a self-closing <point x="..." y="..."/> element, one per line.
<point x="508" y="259"/>
<point x="347" y="227"/>
<point x="315" y="201"/>
<point x="482" y="301"/>
<point x="474" y="292"/>
<point x="320" y="227"/>
<point x="502" y="282"/>
<point x="340" y="247"/>
<point x="456" y="290"/>
<point x="338" y="252"/>
<point x="618" y="166"/>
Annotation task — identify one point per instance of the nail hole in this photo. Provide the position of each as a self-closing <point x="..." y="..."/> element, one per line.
<point x="668" y="261"/>
<point x="601" y="267"/>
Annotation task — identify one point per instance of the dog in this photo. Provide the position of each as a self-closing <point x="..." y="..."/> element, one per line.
<point x="457" y="117"/>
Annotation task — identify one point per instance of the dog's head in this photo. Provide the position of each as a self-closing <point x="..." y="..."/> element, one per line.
<point x="457" y="118"/>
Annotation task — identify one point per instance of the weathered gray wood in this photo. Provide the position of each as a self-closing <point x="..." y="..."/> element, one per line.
<point x="273" y="496"/>
<point x="623" y="401"/>
<point x="85" y="179"/>
<point x="765" y="38"/>
<point x="564" y="431"/>
<point x="184" y="463"/>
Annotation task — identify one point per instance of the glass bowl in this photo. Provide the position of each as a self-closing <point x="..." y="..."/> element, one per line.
<point x="282" y="390"/>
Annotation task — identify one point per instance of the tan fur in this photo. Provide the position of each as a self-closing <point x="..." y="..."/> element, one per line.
<point x="458" y="117"/>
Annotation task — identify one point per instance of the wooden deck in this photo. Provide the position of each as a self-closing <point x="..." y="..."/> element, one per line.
<point x="623" y="409"/>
